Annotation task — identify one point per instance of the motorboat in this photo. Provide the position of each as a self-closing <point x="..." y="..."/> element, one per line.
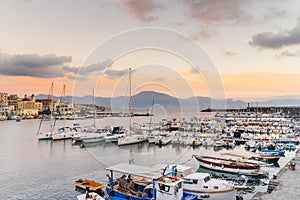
<point x="272" y="152"/>
<point x="202" y="185"/>
<point x="290" y="146"/>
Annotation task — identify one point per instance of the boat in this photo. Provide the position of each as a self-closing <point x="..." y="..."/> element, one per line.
<point x="202" y="185"/>
<point x="219" y="144"/>
<point x="144" y="183"/>
<point x="227" y="165"/>
<point x="117" y="132"/>
<point x="272" y="152"/>
<point x="290" y="146"/>
<point x="47" y="135"/>
<point x="89" y="196"/>
<point x="64" y="133"/>
<point x="92" y="186"/>
<point x="252" y="156"/>
<point x="163" y="141"/>
<point x="136" y="137"/>
<point x="280" y="146"/>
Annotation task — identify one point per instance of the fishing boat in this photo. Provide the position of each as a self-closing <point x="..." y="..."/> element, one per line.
<point x="202" y="185"/>
<point x="144" y="183"/>
<point x="227" y="165"/>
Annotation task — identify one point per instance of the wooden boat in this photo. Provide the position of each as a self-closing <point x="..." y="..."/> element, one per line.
<point x="258" y="157"/>
<point x="227" y="165"/>
<point x="144" y="183"/>
<point x="93" y="186"/>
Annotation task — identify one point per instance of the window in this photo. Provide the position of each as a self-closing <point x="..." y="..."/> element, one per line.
<point x="206" y="179"/>
<point x="164" y="187"/>
<point x="195" y="181"/>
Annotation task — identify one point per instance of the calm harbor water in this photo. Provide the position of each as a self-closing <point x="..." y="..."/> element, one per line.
<point x="32" y="169"/>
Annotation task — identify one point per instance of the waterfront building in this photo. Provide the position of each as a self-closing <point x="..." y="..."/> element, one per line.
<point x="29" y="107"/>
<point x="3" y="103"/>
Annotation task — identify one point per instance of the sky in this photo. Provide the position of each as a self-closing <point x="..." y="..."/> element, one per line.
<point x="239" y="49"/>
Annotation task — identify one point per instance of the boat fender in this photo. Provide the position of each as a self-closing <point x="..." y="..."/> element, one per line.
<point x="222" y="166"/>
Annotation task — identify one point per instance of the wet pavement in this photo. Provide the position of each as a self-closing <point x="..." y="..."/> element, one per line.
<point x="286" y="185"/>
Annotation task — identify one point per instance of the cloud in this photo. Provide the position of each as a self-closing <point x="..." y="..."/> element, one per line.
<point x="229" y="53"/>
<point x="271" y="40"/>
<point x="287" y="54"/>
<point x="89" y="69"/>
<point x="46" y="66"/>
<point x="272" y="13"/>
<point x="210" y="11"/>
<point x="112" y="73"/>
<point x="142" y="9"/>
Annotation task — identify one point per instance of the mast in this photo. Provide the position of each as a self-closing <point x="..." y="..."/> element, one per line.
<point x="130" y="102"/>
<point x="51" y="107"/>
<point x="64" y="109"/>
<point x="94" y="107"/>
<point x="151" y="116"/>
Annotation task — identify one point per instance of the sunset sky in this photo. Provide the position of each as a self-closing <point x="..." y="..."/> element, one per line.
<point x="248" y="49"/>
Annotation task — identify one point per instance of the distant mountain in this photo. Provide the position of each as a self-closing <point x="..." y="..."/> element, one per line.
<point x="145" y="100"/>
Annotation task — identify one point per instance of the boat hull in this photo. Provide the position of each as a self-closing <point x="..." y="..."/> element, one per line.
<point x="225" y="165"/>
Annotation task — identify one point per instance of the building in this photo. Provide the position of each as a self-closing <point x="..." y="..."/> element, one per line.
<point x="47" y="105"/>
<point x="3" y="104"/>
<point x="3" y="99"/>
<point x="29" y="107"/>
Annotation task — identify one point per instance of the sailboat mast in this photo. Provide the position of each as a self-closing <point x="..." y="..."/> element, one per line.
<point x="130" y="102"/>
<point x="51" y="107"/>
<point x="94" y="107"/>
<point x="64" y="109"/>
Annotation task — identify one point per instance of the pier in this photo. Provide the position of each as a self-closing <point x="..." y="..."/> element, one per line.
<point x="285" y="185"/>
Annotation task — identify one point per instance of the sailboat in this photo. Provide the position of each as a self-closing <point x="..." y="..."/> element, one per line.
<point x="131" y="138"/>
<point x="92" y="135"/>
<point x="47" y="135"/>
<point x="64" y="132"/>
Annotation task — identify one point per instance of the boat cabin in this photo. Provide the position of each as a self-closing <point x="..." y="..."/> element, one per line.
<point x="144" y="183"/>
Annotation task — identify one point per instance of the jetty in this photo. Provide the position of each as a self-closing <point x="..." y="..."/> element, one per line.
<point x="284" y="184"/>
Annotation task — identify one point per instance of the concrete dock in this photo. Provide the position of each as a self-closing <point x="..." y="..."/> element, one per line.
<point x="288" y="184"/>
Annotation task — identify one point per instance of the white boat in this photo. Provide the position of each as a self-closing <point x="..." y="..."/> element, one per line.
<point x="90" y="196"/>
<point x="163" y="141"/>
<point x="136" y="137"/>
<point x="47" y="135"/>
<point x="202" y="185"/>
<point x="132" y="139"/>
<point x="117" y="132"/>
<point x="64" y="133"/>
<point x="219" y="144"/>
